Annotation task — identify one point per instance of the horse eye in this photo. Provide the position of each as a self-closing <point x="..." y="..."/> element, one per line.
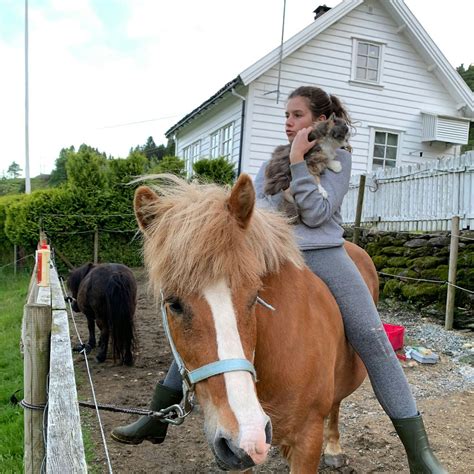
<point x="175" y="306"/>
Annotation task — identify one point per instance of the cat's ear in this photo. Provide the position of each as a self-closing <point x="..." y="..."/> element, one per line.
<point x="332" y="116"/>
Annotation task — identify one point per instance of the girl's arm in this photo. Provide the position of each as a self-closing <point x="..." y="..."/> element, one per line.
<point x="263" y="200"/>
<point x="314" y="209"/>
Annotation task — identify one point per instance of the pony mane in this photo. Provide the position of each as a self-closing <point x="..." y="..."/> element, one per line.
<point x="195" y="240"/>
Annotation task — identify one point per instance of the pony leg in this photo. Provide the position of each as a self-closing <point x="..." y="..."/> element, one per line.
<point x="333" y="454"/>
<point x="91" y="327"/>
<point x="305" y="454"/>
<point x="91" y="342"/>
<point x="103" y="344"/>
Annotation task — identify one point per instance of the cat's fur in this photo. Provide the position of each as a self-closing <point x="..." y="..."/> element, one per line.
<point x="330" y="135"/>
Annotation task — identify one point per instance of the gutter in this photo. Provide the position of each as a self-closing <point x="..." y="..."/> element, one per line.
<point x="242" y="118"/>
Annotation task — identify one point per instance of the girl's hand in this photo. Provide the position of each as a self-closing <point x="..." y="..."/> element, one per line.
<point x="301" y="145"/>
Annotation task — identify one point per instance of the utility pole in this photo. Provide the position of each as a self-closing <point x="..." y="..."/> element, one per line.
<point x="27" y="138"/>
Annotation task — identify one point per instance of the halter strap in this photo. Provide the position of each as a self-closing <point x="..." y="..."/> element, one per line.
<point x="209" y="370"/>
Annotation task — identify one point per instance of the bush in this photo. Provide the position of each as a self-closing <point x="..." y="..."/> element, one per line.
<point x="170" y="164"/>
<point x="215" y="170"/>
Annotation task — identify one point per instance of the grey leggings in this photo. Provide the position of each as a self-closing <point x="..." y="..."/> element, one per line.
<point x="363" y="328"/>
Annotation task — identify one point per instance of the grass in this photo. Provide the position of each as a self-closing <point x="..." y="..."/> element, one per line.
<point x="13" y="289"/>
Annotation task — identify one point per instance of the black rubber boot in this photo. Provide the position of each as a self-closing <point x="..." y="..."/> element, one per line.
<point x="421" y="458"/>
<point x="147" y="428"/>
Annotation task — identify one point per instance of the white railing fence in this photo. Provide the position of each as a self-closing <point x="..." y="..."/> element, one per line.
<point x="53" y="435"/>
<point x="421" y="197"/>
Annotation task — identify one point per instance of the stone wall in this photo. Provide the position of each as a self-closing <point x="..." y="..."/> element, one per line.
<point x="416" y="257"/>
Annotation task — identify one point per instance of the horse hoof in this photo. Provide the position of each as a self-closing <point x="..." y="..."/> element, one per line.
<point x="335" y="460"/>
<point x="78" y="347"/>
<point x="100" y="359"/>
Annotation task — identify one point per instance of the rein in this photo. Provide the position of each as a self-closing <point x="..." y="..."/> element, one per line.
<point x="190" y="378"/>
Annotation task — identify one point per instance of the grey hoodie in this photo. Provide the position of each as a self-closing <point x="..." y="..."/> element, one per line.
<point x="321" y="221"/>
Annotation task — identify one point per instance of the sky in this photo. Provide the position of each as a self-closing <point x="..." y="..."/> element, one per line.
<point x="111" y="73"/>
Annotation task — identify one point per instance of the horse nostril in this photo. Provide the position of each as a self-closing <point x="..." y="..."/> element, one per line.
<point x="268" y="432"/>
<point x="231" y="456"/>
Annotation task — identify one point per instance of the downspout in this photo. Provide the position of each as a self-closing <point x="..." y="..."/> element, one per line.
<point x="242" y="117"/>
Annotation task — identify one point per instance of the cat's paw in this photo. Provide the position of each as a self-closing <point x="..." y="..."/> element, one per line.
<point x="335" y="166"/>
<point x="322" y="191"/>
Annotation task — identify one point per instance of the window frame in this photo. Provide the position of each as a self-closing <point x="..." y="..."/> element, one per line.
<point x="356" y="42"/>
<point x="221" y="141"/>
<point x="373" y="131"/>
<point x="190" y="153"/>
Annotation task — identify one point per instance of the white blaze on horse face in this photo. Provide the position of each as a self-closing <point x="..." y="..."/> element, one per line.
<point x="239" y="385"/>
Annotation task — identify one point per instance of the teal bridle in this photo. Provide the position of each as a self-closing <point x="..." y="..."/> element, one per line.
<point x="190" y="378"/>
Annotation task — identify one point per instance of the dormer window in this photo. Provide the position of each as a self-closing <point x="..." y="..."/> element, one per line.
<point x="367" y="59"/>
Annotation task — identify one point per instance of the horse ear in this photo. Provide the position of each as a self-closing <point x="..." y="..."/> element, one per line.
<point x="242" y="200"/>
<point x="144" y="198"/>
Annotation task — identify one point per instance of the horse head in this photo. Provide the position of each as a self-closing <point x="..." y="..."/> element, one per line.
<point x="74" y="280"/>
<point x="206" y="251"/>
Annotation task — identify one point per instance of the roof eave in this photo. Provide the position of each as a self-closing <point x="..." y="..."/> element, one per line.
<point x="204" y="106"/>
<point x="443" y="68"/>
<point x="298" y="40"/>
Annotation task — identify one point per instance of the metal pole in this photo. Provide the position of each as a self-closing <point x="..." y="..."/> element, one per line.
<point x="27" y="138"/>
<point x="453" y="260"/>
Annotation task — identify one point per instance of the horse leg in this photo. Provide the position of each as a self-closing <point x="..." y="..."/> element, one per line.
<point x="305" y="454"/>
<point x="91" y="343"/>
<point x="333" y="454"/>
<point x="103" y="343"/>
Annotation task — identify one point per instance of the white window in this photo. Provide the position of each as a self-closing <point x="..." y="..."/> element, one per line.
<point x="385" y="150"/>
<point x="191" y="153"/>
<point x="367" y="61"/>
<point x="221" y="142"/>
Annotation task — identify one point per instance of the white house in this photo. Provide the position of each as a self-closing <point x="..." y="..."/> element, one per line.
<point x="407" y="102"/>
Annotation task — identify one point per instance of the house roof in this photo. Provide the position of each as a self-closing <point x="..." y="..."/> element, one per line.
<point x="407" y="22"/>
<point x="213" y="100"/>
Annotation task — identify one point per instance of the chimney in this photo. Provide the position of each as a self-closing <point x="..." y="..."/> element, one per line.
<point x="321" y="10"/>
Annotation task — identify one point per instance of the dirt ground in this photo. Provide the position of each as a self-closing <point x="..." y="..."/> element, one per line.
<point x="367" y="435"/>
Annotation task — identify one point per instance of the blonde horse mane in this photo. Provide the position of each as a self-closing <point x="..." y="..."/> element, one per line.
<point x="193" y="240"/>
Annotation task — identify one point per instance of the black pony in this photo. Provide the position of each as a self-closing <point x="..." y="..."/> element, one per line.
<point x="107" y="294"/>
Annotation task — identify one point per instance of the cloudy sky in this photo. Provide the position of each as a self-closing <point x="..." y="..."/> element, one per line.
<point x="111" y="73"/>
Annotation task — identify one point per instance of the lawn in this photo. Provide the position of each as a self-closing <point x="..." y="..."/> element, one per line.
<point x="13" y="289"/>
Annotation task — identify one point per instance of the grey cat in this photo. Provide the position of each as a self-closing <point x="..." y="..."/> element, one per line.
<point x="330" y="135"/>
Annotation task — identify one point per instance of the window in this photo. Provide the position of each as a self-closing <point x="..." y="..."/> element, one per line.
<point x="221" y="142"/>
<point x="367" y="61"/>
<point x="385" y="150"/>
<point x="191" y="154"/>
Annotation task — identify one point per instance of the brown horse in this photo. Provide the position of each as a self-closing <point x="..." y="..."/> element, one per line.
<point x="214" y="256"/>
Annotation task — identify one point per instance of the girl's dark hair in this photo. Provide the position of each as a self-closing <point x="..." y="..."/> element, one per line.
<point x="321" y="103"/>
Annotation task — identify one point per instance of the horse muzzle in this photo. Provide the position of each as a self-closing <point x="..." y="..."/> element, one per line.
<point x="249" y="453"/>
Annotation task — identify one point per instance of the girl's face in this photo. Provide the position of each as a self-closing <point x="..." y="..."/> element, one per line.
<point x="298" y="116"/>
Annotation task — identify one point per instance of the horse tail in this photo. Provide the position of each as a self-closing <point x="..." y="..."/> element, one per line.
<point x="120" y="295"/>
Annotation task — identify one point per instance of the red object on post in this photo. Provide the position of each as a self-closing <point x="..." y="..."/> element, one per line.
<point x="395" y="335"/>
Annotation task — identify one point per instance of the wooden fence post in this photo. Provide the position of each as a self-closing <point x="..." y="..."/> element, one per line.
<point x="360" y="203"/>
<point x="14" y="259"/>
<point x="36" y="346"/>
<point x="453" y="260"/>
<point x="96" y="245"/>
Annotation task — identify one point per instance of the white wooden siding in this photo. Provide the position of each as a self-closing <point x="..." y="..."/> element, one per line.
<point x="422" y="197"/>
<point x="227" y="111"/>
<point x="326" y="61"/>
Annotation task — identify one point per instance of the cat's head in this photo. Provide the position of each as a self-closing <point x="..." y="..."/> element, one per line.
<point x="333" y="128"/>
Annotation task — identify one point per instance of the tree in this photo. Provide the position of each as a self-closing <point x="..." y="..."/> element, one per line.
<point x="59" y="174"/>
<point x="467" y="75"/>
<point x="14" y="170"/>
